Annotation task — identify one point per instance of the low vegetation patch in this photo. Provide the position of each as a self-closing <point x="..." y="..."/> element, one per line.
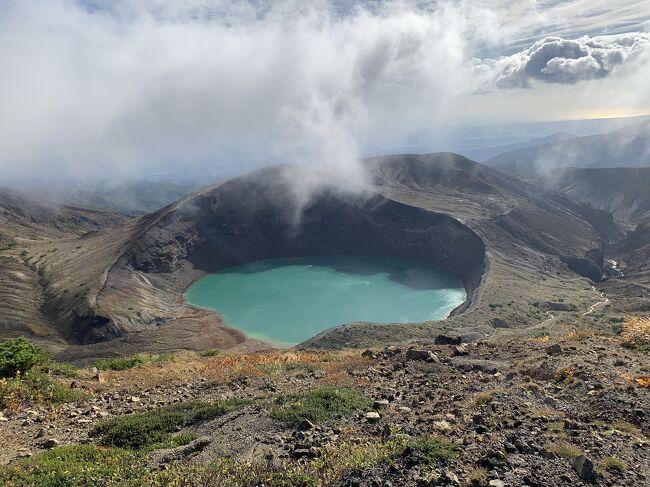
<point x="613" y="464"/>
<point x="483" y="398"/>
<point x="430" y="449"/>
<point x="85" y="465"/>
<point x="636" y="333"/>
<point x="146" y="430"/>
<point x="125" y="363"/>
<point x="61" y="369"/>
<point x="213" y="352"/>
<point x="34" y="387"/>
<point x="564" y="450"/>
<point x="625" y="427"/>
<point x="78" y="465"/>
<point x="322" y="404"/>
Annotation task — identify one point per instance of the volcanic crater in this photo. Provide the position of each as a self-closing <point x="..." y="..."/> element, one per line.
<point x="516" y="249"/>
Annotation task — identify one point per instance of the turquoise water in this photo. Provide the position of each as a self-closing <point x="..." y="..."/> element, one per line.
<point x="290" y="300"/>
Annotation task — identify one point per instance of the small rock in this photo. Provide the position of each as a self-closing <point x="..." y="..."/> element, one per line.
<point x="584" y="467"/>
<point x="372" y="416"/>
<point x="306" y="425"/>
<point x="447" y="340"/>
<point x="301" y="453"/>
<point x="404" y="409"/>
<point x="497" y="483"/>
<point x="3" y="418"/>
<point x="553" y="349"/>
<point x="442" y="426"/>
<point x="425" y="355"/>
<point x="50" y="443"/>
<point x="134" y="399"/>
<point x="449" y="478"/>
<point x="459" y="351"/>
<point x="380" y="404"/>
<point x="481" y="429"/>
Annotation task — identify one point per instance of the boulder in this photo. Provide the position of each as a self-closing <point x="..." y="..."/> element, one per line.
<point x="585" y="468"/>
<point x="554" y="349"/>
<point x="447" y="340"/>
<point x="372" y="416"/>
<point x="424" y="355"/>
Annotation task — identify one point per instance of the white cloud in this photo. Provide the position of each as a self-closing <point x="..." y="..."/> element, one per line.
<point x="121" y="87"/>
<point x="566" y="61"/>
<point x="88" y="89"/>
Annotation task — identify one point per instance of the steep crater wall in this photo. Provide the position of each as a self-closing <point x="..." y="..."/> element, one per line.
<point x="241" y="222"/>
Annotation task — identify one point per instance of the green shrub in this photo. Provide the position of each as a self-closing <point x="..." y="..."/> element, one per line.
<point x="125" y="363"/>
<point x="323" y="404"/>
<point x="430" y="449"/>
<point x="210" y="353"/>
<point x="200" y="412"/>
<point x="121" y="363"/>
<point x="60" y="369"/>
<point x="139" y="431"/>
<point x="174" y="441"/>
<point x="18" y="355"/>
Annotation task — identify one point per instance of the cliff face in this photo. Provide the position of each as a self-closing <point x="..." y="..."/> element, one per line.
<point x="234" y="224"/>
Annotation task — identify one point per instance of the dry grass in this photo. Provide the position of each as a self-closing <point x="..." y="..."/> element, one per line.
<point x="546" y="413"/>
<point x="477" y="475"/>
<point x="563" y="374"/>
<point x="336" y="367"/>
<point x="185" y="367"/>
<point x="564" y="450"/>
<point x="483" y="398"/>
<point x="636" y="332"/>
<point x="578" y="334"/>
<point x="625" y="427"/>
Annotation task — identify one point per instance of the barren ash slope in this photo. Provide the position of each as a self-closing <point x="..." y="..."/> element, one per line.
<point x="520" y="252"/>
<point x="26" y="224"/>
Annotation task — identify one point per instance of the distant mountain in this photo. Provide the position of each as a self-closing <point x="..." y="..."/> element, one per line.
<point x="132" y="198"/>
<point x="622" y="191"/>
<point x="626" y="147"/>
<point x="486" y="153"/>
<point x="45" y="217"/>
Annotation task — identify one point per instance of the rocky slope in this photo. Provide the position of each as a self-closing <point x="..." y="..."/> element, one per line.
<point x="566" y="410"/>
<point x="622" y="191"/>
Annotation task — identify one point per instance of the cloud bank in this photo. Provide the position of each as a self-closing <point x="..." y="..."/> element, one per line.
<point x="114" y="89"/>
<point x="565" y="61"/>
<point x="120" y="88"/>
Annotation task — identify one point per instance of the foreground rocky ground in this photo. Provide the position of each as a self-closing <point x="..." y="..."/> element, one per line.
<point x="563" y="410"/>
